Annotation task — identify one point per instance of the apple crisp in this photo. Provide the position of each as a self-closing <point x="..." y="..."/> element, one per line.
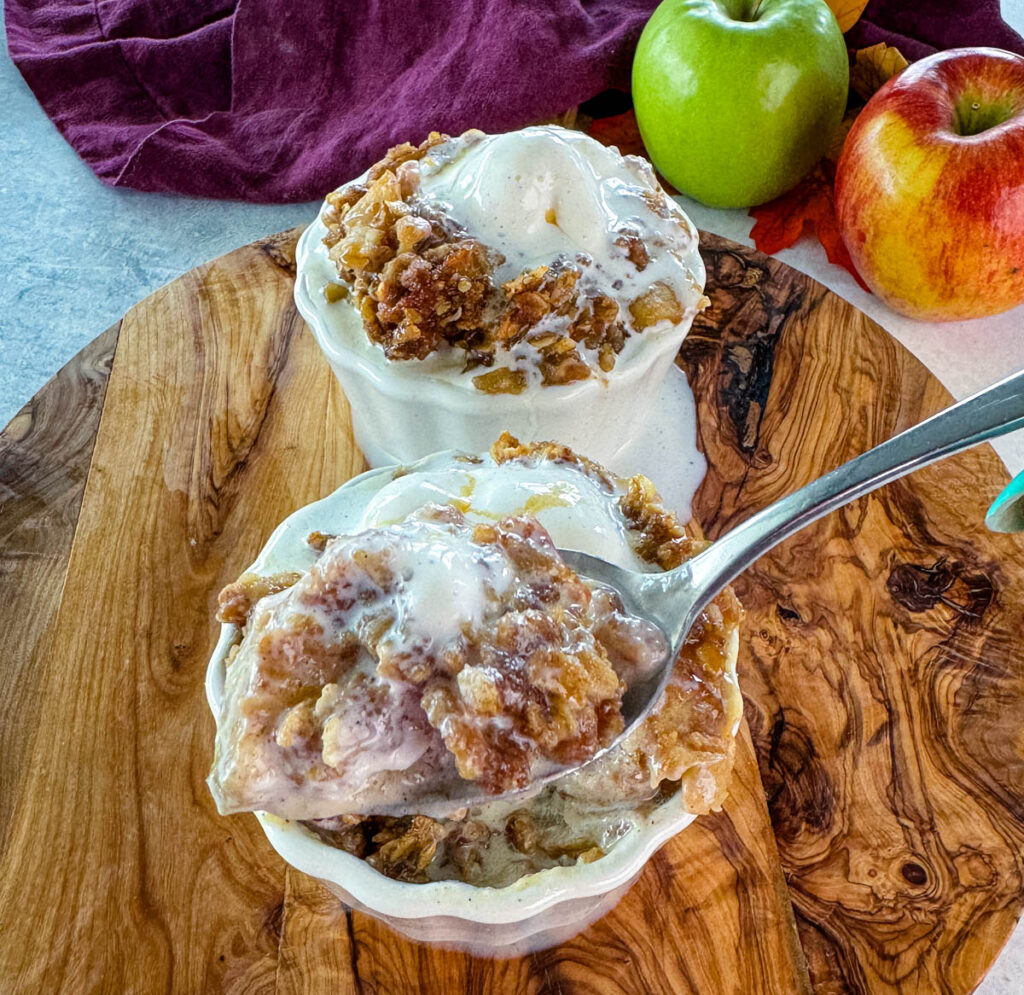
<point x="422" y="283"/>
<point x="688" y="740"/>
<point x="421" y="647"/>
<point x="376" y="672"/>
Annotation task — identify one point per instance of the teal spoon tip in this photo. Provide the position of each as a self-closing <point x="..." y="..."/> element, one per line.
<point x="1007" y="511"/>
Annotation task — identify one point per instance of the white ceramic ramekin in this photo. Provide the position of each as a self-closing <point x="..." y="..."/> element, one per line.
<point x="402" y="412"/>
<point x="538" y="910"/>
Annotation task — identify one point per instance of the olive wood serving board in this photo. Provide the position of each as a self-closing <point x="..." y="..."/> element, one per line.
<point x="874" y="837"/>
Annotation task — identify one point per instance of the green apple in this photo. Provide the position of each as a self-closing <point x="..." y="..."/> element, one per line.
<point x="738" y="99"/>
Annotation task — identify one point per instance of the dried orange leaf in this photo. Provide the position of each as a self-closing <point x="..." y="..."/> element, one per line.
<point x="847" y="12"/>
<point x="623" y="132"/>
<point x="780" y="223"/>
<point x="810" y="204"/>
<point x="567" y="119"/>
<point x="873" y="66"/>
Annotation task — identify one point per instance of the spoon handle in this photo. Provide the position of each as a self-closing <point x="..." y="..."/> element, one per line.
<point x="991" y="412"/>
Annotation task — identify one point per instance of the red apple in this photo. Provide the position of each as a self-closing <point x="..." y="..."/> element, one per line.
<point x="930" y="186"/>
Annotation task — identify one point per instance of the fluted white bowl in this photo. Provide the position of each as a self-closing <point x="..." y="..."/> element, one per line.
<point x="536" y="911"/>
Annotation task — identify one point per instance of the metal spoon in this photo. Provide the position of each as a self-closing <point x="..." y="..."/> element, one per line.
<point x="673" y="599"/>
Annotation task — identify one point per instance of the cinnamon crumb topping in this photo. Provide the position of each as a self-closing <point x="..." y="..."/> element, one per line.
<point x="235" y="601"/>
<point x="421" y="284"/>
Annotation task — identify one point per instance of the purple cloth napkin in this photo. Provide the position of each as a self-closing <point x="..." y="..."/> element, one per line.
<point x="277" y="100"/>
<point x="268" y="100"/>
<point x="919" y="28"/>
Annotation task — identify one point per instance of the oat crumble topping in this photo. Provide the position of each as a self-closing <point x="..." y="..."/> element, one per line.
<point x="421" y="283"/>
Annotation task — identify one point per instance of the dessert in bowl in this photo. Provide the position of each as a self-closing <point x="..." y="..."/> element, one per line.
<point x="417" y="626"/>
<point x="535" y="281"/>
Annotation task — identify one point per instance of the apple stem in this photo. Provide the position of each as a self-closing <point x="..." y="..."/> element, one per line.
<point x="973" y="116"/>
<point x="743" y="10"/>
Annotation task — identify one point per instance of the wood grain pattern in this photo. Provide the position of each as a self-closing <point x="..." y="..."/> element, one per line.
<point x="216" y="399"/>
<point x="138" y="885"/>
<point x="881" y="671"/>
<point x="710" y="913"/>
<point x="44" y="460"/>
<point x="883" y="668"/>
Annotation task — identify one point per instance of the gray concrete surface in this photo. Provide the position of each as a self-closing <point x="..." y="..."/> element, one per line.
<point x="78" y="254"/>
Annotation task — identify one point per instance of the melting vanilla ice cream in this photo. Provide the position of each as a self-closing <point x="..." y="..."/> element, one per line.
<point x="421" y="646"/>
<point x="548" y="196"/>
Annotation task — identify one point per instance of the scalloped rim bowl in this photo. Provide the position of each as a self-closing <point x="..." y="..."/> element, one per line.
<point x="537" y="910"/>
